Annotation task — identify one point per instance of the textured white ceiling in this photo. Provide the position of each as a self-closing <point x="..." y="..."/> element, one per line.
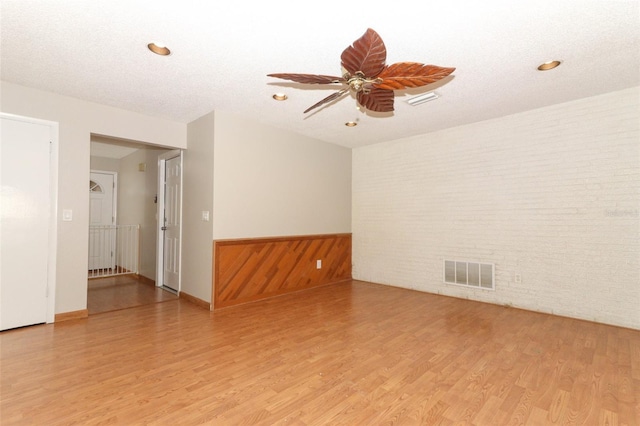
<point x="222" y="52"/>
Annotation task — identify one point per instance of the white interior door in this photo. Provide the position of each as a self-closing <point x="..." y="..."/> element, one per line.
<point x="171" y="228"/>
<point x="102" y="233"/>
<point x="25" y="222"/>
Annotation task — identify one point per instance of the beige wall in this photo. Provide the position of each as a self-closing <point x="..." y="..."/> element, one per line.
<point x="197" y="196"/>
<point x="256" y="181"/>
<point x="551" y="196"/>
<point x="270" y="182"/>
<point x="77" y="121"/>
<point x="136" y="202"/>
<point x="105" y="164"/>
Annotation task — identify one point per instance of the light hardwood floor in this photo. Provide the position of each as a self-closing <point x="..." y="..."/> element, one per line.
<point x="121" y="292"/>
<point x="353" y="353"/>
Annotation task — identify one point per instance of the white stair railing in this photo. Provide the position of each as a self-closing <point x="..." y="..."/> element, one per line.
<point x="113" y="250"/>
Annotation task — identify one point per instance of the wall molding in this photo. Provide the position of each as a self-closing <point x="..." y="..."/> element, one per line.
<point x="146" y="280"/>
<point x="195" y="300"/>
<point x="250" y="269"/>
<point x="66" y="316"/>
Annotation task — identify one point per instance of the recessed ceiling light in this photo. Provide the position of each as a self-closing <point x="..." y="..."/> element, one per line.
<point x="548" y="65"/>
<point x="420" y="99"/>
<point x="280" y="97"/>
<point x="159" y="49"/>
<point x="351" y="124"/>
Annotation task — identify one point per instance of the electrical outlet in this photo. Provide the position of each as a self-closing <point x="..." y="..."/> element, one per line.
<point x="518" y="278"/>
<point x="319" y="264"/>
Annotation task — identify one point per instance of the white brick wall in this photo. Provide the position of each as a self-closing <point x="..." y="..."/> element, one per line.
<point x="551" y="194"/>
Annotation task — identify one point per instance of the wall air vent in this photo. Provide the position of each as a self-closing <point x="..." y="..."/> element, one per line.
<point x="470" y="274"/>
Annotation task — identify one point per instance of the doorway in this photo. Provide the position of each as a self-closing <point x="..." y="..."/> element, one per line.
<point x="135" y="167"/>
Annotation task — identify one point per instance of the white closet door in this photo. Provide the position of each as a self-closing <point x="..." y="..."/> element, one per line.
<point x="24" y="224"/>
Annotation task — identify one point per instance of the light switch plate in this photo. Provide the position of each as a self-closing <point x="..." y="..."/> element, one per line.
<point x="67" y="215"/>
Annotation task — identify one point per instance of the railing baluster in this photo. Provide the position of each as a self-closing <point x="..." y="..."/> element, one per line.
<point x="121" y="240"/>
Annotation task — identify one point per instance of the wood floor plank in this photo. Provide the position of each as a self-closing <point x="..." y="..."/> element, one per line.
<point x="123" y="291"/>
<point x="353" y="353"/>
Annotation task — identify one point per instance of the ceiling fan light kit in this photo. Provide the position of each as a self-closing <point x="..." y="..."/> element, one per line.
<point x="367" y="76"/>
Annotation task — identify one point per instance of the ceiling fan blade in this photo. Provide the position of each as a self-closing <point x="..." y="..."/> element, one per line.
<point x="410" y="74"/>
<point x="329" y="98"/>
<point x="367" y="54"/>
<point x="309" y="78"/>
<point x="378" y="100"/>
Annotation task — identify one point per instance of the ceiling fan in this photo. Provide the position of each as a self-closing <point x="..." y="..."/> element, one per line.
<point x="366" y="74"/>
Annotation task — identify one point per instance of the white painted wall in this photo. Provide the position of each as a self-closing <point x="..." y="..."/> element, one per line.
<point x="77" y="120"/>
<point x="552" y="195"/>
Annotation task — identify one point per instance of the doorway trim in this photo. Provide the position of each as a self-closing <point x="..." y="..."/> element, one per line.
<point x="52" y="251"/>
<point x="162" y="159"/>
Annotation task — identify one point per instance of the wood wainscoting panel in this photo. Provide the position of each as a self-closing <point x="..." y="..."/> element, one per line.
<point x="251" y="269"/>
